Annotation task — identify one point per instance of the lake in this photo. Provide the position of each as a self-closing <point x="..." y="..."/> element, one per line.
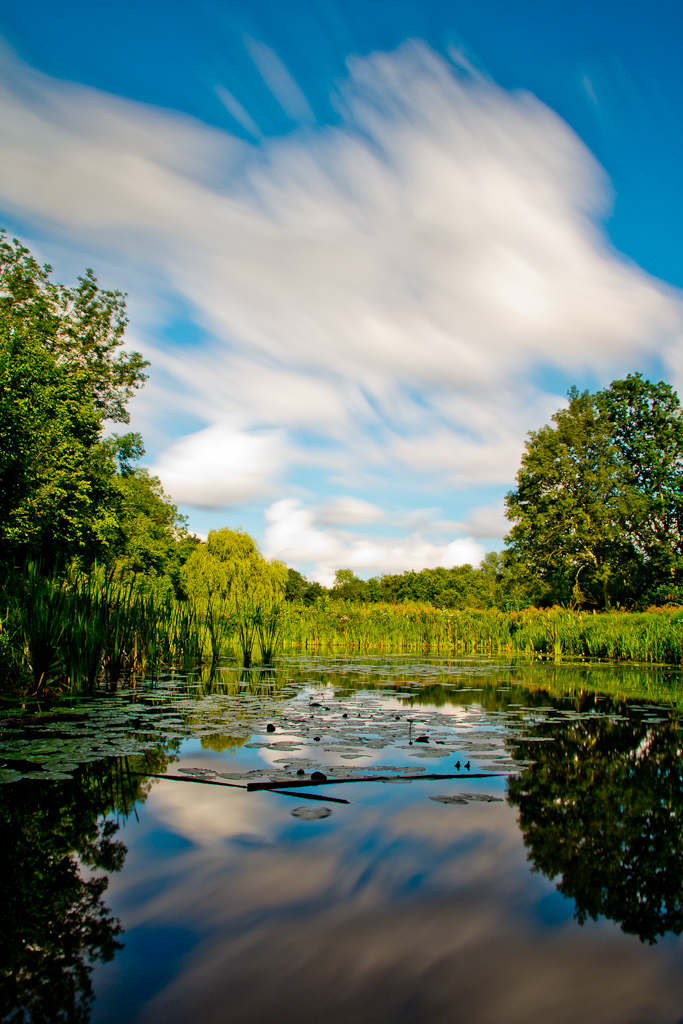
<point x="491" y="843"/>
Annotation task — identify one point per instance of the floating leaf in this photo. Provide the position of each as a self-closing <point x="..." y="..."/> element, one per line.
<point x="311" y="813"/>
<point x="449" y="799"/>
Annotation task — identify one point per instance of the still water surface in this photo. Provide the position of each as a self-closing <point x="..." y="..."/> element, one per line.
<point x="550" y="889"/>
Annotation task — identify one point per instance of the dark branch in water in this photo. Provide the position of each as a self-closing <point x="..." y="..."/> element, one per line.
<point x="252" y="786"/>
<point x="185" y="778"/>
<point x="312" y="796"/>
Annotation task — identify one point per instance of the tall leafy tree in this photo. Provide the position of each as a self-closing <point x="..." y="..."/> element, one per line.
<point x="56" y="478"/>
<point x="598" y="508"/>
<point x="82" y="328"/>
<point x="63" y="374"/>
<point x="230" y="567"/>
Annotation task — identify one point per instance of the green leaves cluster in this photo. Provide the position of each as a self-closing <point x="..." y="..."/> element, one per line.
<point x="66" y="490"/>
<point x="598" y="508"/>
<point x="229" y="567"/>
<point x="81" y="328"/>
<point x="492" y="585"/>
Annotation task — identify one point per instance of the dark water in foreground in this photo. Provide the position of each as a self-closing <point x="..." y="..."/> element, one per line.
<point x="550" y="891"/>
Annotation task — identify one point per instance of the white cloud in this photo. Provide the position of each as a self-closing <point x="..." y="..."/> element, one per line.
<point x="235" y="108"/>
<point x="280" y="82"/>
<point x="348" y="510"/>
<point x="293" y="536"/>
<point x="378" y="295"/>
<point x="221" y="466"/>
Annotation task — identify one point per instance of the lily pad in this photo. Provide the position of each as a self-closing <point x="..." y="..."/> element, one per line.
<point x="449" y="799"/>
<point x="311" y="813"/>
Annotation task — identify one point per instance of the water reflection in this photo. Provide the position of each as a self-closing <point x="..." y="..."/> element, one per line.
<point x="394" y="908"/>
<point x="55" y="840"/>
<point x="602" y="809"/>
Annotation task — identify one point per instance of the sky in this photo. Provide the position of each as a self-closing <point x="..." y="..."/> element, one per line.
<point x="367" y="246"/>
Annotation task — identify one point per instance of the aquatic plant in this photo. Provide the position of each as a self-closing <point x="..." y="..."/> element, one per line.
<point x="654" y="637"/>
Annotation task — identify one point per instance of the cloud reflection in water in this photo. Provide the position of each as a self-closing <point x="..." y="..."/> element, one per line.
<point x="392" y="910"/>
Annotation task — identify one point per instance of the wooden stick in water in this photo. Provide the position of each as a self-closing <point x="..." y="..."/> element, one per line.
<point x="252" y="786"/>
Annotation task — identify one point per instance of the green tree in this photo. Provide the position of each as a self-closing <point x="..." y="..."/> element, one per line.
<point x="598" y="509"/>
<point x="56" y="477"/>
<point x="62" y="375"/>
<point x="153" y="538"/>
<point x="230" y="567"/>
<point x="459" y="587"/>
<point x="298" y="588"/>
<point x="349" y="587"/>
<point x="81" y="327"/>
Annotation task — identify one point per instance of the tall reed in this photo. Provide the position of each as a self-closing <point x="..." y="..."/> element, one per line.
<point x="655" y="637"/>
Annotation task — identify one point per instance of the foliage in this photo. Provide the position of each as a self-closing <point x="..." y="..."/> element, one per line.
<point x="459" y="587"/>
<point x="298" y="588"/>
<point x="495" y="584"/>
<point x="81" y="328"/>
<point x="230" y="566"/>
<point x="601" y="808"/>
<point x="56" y="477"/>
<point x="153" y="538"/>
<point x="598" y="509"/>
<point x="66" y="491"/>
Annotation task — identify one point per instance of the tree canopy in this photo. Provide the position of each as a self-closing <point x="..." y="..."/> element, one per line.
<point x="66" y="489"/>
<point x="230" y="567"/>
<point x="81" y="328"/>
<point x="598" y="509"/>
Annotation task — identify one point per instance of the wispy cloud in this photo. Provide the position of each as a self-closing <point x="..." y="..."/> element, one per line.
<point x="280" y="82"/>
<point x="378" y="297"/>
<point x="235" y="108"/>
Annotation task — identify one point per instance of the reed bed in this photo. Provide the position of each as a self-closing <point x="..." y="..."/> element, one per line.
<point x="647" y="637"/>
<point x="80" y="630"/>
<point x="77" y="630"/>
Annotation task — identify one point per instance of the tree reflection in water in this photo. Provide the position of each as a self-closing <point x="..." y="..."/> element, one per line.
<point x="603" y="809"/>
<point x="53" y="921"/>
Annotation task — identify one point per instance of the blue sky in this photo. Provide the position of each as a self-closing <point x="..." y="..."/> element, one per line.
<point x="366" y="246"/>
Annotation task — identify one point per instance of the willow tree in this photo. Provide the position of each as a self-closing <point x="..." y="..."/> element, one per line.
<point x="239" y="587"/>
<point x="230" y="567"/>
<point x="598" y="509"/>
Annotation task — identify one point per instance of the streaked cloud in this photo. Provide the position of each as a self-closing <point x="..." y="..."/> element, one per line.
<point x="349" y="510"/>
<point x="379" y="298"/>
<point x="280" y="82"/>
<point x="235" y="108"/>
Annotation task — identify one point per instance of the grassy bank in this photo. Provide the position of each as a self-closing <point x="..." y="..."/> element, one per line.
<point x="651" y="637"/>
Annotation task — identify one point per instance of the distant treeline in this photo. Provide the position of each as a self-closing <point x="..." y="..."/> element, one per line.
<point x="492" y="585"/>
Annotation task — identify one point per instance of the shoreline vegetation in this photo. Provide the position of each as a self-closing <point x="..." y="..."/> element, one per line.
<point x="101" y="580"/>
<point x="82" y="630"/>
